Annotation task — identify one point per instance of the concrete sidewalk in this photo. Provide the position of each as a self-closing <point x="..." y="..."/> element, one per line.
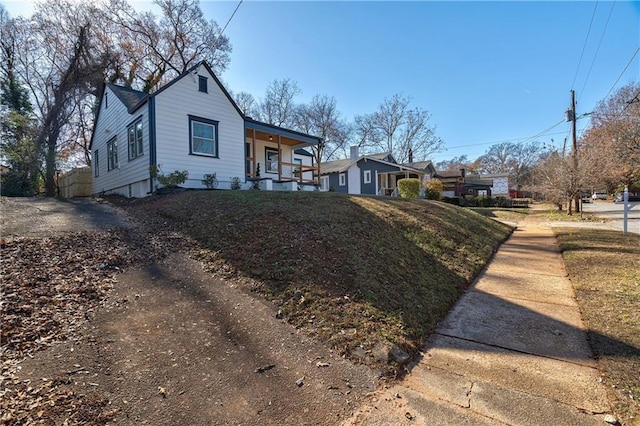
<point x="512" y="351"/>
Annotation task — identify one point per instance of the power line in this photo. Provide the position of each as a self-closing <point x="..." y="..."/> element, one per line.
<point x="622" y="73"/>
<point x="585" y="44"/>
<point x="501" y="141"/>
<point x="543" y="132"/>
<point x="227" y="24"/>
<point x="231" y="17"/>
<point x="598" y="48"/>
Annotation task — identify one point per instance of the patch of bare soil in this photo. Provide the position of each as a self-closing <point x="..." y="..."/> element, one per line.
<point x="136" y="332"/>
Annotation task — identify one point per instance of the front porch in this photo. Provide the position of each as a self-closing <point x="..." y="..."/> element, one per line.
<point x="270" y="155"/>
<point x="387" y="182"/>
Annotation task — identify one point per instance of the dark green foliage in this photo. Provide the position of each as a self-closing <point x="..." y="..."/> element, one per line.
<point x="235" y="183"/>
<point x="172" y="180"/>
<point x="451" y="200"/>
<point x="20" y="155"/>
<point x="210" y="180"/>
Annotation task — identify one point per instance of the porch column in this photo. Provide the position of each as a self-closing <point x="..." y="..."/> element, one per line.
<point x="253" y="153"/>
<point x="279" y="159"/>
<point x="377" y="183"/>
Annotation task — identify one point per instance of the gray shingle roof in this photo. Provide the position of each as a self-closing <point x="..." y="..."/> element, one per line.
<point x="131" y="98"/>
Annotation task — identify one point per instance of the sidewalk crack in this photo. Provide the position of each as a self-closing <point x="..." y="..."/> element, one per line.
<point x="469" y="395"/>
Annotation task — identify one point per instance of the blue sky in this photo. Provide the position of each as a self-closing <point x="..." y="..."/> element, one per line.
<point x="487" y="71"/>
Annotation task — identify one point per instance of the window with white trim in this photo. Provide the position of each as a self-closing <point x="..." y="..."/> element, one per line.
<point x="112" y="154"/>
<point x="342" y="179"/>
<point x="134" y="138"/>
<point x="203" y="134"/>
<point x="367" y="176"/>
<point x="271" y="158"/>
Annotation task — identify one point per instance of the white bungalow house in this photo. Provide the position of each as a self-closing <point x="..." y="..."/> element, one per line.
<point x="371" y="174"/>
<point x="191" y="124"/>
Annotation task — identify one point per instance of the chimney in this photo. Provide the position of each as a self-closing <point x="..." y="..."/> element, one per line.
<point x="462" y="173"/>
<point x="354" y="153"/>
<point x="410" y="155"/>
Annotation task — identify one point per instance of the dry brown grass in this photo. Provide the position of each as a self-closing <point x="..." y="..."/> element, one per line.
<point x="604" y="267"/>
<point x="353" y="271"/>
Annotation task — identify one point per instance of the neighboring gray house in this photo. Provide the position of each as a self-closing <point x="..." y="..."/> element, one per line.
<point x="373" y="174"/>
<point x="192" y="124"/>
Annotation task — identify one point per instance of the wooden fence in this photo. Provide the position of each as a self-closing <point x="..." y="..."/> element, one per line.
<point x="75" y="183"/>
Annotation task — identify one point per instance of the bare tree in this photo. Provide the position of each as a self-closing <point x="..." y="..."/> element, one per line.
<point x="517" y="159"/>
<point x="246" y="102"/>
<point x="321" y="118"/>
<point x="399" y="129"/>
<point x="154" y="50"/>
<point x="553" y="179"/>
<point x="278" y="106"/>
<point x="364" y="132"/>
<point x="58" y="64"/>
<point x="456" y="163"/>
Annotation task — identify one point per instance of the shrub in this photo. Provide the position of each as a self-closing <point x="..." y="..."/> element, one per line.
<point x="433" y="188"/>
<point x="451" y="200"/>
<point x="172" y="180"/>
<point x="210" y="180"/>
<point x="235" y="183"/>
<point x="409" y="188"/>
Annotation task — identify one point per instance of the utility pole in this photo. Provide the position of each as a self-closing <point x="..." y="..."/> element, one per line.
<point x="571" y="115"/>
<point x="575" y="150"/>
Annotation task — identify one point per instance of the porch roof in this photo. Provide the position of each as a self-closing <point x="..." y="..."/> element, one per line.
<point x="287" y="136"/>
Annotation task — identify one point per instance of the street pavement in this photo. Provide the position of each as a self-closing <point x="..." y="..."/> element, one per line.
<point x="513" y="351"/>
<point x="613" y="214"/>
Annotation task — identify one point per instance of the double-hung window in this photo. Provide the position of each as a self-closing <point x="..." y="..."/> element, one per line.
<point x="367" y="176"/>
<point x="272" y="158"/>
<point x="134" y="137"/>
<point x="342" y="179"/>
<point x="112" y="154"/>
<point x="203" y="136"/>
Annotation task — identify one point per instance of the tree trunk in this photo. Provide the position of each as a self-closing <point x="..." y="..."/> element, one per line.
<point x="50" y="172"/>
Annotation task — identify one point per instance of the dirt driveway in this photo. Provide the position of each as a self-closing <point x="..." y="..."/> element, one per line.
<point x="37" y="217"/>
<point x="169" y="344"/>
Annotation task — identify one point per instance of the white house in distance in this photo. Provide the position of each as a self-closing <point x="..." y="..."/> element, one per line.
<point x="192" y="124"/>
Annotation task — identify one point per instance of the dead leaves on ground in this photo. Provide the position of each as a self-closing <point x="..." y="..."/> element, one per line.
<point x="50" y="286"/>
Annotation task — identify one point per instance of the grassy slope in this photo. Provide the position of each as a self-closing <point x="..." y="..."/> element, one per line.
<point x="605" y="270"/>
<point x="368" y="269"/>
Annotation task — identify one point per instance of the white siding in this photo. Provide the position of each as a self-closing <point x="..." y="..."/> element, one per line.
<point x="173" y="107"/>
<point x="354" y="179"/>
<point x="260" y="157"/>
<point x="130" y="178"/>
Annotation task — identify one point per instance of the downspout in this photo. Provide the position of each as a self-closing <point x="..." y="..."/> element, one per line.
<point x="152" y="139"/>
